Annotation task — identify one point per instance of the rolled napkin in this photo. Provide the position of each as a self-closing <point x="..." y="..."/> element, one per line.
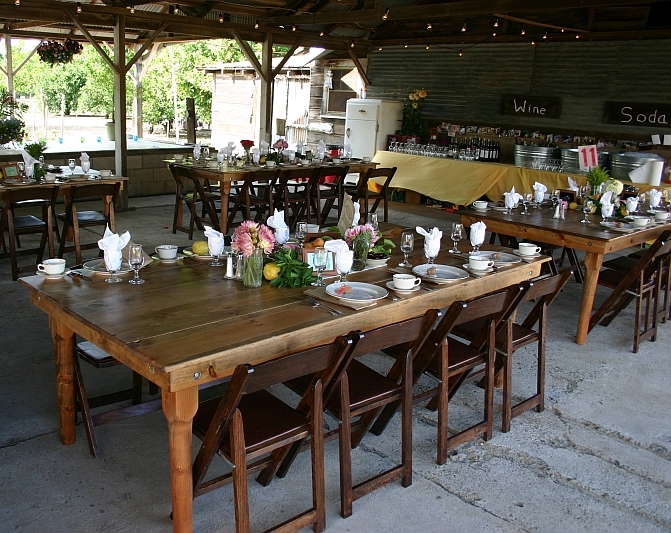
<point x="539" y="192"/>
<point x="510" y="199"/>
<point x="344" y="257"/>
<point x="573" y="185"/>
<point x="196" y="151"/>
<point x="606" y="201"/>
<point x="112" y="244"/>
<point x="478" y="233"/>
<point x="215" y="241"/>
<point x="655" y="198"/>
<point x="431" y="240"/>
<point x="357" y="214"/>
<point x="276" y="221"/>
<point x="632" y="204"/>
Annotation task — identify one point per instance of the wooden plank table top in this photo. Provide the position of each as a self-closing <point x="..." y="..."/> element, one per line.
<point x="187" y="326"/>
<point x="591" y="238"/>
<point x="63" y="186"/>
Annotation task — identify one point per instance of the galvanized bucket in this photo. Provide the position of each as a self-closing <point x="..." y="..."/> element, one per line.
<point x="570" y="163"/>
<point x="526" y="155"/>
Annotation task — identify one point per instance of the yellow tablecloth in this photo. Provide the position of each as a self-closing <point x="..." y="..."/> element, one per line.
<point x="463" y="182"/>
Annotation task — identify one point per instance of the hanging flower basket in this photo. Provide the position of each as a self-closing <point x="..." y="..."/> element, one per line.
<point x="53" y="52"/>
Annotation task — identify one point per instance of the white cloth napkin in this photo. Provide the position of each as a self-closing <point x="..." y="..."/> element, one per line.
<point x="573" y="185"/>
<point x="196" y="151"/>
<point x="221" y="154"/>
<point x="510" y="199"/>
<point x="256" y="156"/>
<point x="299" y="147"/>
<point x="30" y="163"/>
<point x="321" y="149"/>
<point x="344" y="257"/>
<point x="655" y="198"/>
<point x="539" y="192"/>
<point x="84" y="157"/>
<point x="215" y="241"/>
<point x="478" y="233"/>
<point x="431" y="240"/>
<point x="606" y="201"/>
<point x="357" y="214"/>
<point x="112" y="244"/>
<point x="289" y="154"/>
<point x="632" y="204"/>
<point x="276" y="221"/>
<point x="347" y="151"/>
<point x="264" y="147"/>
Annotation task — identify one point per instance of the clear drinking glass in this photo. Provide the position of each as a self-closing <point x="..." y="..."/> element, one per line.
<point x="136" y="260"/>
<point x="72" y="165"/>
<point x="206" y="152"/>
<point x="407" y="245"/>
<point x="586" y="209"/>
<point x="86" y="166"/>
<point x="112" y="265"/>
<point x="373" y="220"/>
<point x="343" y="268"/>
<point x="21" y="166"/>
<point x="216" y="249"/>
<point x="525" y="202"/>
<point x="457" y="235"/>
<point x="319" y="258"/>
<point x="301" y="232"/>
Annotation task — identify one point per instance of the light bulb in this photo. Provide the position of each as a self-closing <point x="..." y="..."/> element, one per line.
<point x="429" y="26"/>
<point x="386" y="15"/>
<point x="461" y="53"/>
<point x="132" y="8"/>
<point x="524" y="32"/>
<point x="533" y="43"/>
<point x="79" y="7"/>
<point x="256" y="25"/>
<point x="321" y="33"/>
<point x="545" y="35"/>
<point x="221" y="18"/>
<point x="496" y="24"/>
<point x="463" y="28"/>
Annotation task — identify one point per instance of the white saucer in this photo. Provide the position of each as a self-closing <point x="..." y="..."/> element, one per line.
<point x="525" y="256"/>
<point x="179" y="257"/>
<point x="478" y="272"/>
<point x="53" y="276"/>
<point x="485" y="209"/>
<point x="390" y="285"/>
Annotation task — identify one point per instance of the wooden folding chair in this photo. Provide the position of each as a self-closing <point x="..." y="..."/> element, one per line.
<point x="293" y="193"/>
<point x="247" y="423"/>
<point x="329" y="192"/>
<point x="207" y="199"/>
<point x="642" y="282"/>
<point x="16" y="225"/>
<point x="254" y="193"/>
<point x="74" y="220"/>
<point x="361" y="192"/>
<point x="182" y="176"/>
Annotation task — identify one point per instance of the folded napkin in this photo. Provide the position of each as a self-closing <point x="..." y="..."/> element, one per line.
<point x="277" y="222"/>
<point x="30" y="163"/>
<point x="357" y="214"/>
<point x="299" y="147"/>
<point x="264" y="147"/>
<point x="347" y="151"/>
<point x="321" y="149"/>
<point x="510" y="199"/>
<point x="478" y="233"/>
<point x="539" y="192"/>
<point x="632" y="204"/>
<point x="289" y="154"/>
<point x="606" y="201"/>
<point x="215" y="241"/>
<point x="221" y="154"/>
<point x="196" y="151"/>
<point x="431" y="240"/>
<point x="573" y="185"/>
<point x="655" y="198"/>
<point x="84" y="158"/>
<point x="112" y="245"/>
<point x="344" y="257"/>
<point x="256" y="156"/>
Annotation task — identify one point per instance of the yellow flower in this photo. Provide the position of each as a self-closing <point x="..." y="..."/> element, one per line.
<point x="414" y="105"/>
<point x="421" y="93"/>
<point x="412" y="96"/>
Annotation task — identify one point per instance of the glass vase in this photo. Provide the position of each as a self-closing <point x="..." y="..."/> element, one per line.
<point x="252" y="272"/>
<point x="248" y="157"/>
<point x="360" y="246"/>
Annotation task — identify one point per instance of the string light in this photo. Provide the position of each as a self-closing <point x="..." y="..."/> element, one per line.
<point x="463" y="28"/>
<point x="524" y="32"/>
<point x="428" y="46"/>
<point x="533" y="43"/>
<point x="577" y="36"/>
<point x="293" y="28"/>
<point x="562" y="30"/>
<point x="429" y="26"/>
<point x="493" y="34"/>
<point x="132" y="9"/>
<point x="545" y="36"/>
<point x="351" y="44"/>
<point x="79" y="7"/>
<point x="321" y="33"/>
<point x="221" y="18"/>
<point x="379" y="49"/>
<point x="496" y="24"/>
<point x="17" y="2"/>
<point x="405" y="45"/>
<point x="386" y="14"/>
<point x="461" y="53"/>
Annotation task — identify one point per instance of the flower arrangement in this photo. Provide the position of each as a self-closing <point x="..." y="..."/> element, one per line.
<point x="250" y="235"/>
<point x="11" y="122"/>
<point x="53" y="52"/>
<point x="359" y="233"/>
<point x="596" y="176"/>
<point x="277" y="155"/>
<point x="246" y="144"/>
<point x="412" y="113"/>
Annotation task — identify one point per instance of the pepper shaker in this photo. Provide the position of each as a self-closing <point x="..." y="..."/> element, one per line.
<point x="238" y="266"/>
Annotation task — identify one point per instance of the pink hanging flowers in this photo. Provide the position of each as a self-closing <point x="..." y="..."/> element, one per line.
<point x="53" y="52"/>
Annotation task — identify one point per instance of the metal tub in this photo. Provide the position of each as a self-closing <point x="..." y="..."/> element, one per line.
<point x="570" y="163"/>
<point x="622" y="164"/>
<point x="526" y="155"/>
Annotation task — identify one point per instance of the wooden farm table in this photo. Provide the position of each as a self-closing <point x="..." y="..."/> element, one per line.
<point x="63" y="186"/>
<point x="231" y="174"/>
<point x="590" y="238"/>
<point x="187" y="326"/>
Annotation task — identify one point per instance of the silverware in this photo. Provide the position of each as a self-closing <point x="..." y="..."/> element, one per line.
<point x="428" y="288"/>
<point x="82" y="272"/>
<point x="392" y="297"/>
<point x="314" y="303"/>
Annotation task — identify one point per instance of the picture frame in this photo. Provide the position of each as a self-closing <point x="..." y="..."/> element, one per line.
<point x="10" y="170"/>
<point x="567" y="195"/>
<point x="330" y="269"/>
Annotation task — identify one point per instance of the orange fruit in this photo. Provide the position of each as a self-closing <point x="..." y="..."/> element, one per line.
<point x="318" y="242"/>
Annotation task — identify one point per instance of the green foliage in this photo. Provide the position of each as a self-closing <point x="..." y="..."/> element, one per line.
<point x="294" y="272"/>
<point x="597" y="176"/>
<point x="11" y="122"/>
<point x="383" y="246"/>
<point x="35" y="149"/>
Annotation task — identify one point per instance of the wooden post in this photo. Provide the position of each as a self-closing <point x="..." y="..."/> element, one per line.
<point x="10" y="66"/>
<point x="266" y="104"/>
<point x="190" y="121"/>
<point x="137" y="95"/>
<point x="121" y="144"/>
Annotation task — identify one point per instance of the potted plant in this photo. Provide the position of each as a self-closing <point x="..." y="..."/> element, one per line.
<point x="11" y="122"/>
<point x="412" y="113"/>
<point x="36" y="150"/>
<point x="596" y="177"/>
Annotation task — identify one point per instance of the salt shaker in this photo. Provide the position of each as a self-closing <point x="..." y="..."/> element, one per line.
<point x="229" y="266"/>
<point x="557" y="213"/>
<point x="562" y="212"/>
<point x="239" y="266"/>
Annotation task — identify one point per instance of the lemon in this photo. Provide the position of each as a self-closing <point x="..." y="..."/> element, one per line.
<point x="271" y="271"/>
<point x="200" y="248"/>
<point x="593" y="210"/>
<point x="573" y="205"/>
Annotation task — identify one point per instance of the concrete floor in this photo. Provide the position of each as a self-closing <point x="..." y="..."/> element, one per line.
<point x="598" y="459"/>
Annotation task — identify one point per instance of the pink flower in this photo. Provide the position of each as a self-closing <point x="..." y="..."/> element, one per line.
<point x="250" y="235"/>
<point x="281" y="145"/>
<point x="359" y="232"/>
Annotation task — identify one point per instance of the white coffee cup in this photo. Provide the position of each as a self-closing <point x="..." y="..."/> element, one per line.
<point x="49" y="177"/>
<point x="640" y="221"/>
<point x="167" y="251"/>
<point x="52" y="267"/>
<point x="270" y="163"/>
<point x="480" y="204"/>
<point x="105" y="173"/>
<point x="178" y="157"/>
<point x="477" y="262"/>
<point x="527" y="248"/>
<point x="366" y="159"/>
<point x="661" y="216"/>
<point x="336" y="161"/>
<point x="405" y="282"/>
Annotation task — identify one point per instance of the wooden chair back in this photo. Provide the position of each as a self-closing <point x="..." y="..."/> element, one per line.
<point x="330" y="192"/>
<point x="362" y="191"/>
<point x="299" y="201"/>
<point x="181" y="176"/>
<point x="200" y="195"/>
<point x="544" y="290"/>
<point x="254" y="192"/>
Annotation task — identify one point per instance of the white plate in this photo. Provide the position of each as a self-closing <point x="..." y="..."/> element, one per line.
<point x="500" y="258"/>
<point x="625" y="228"/>
<point x="478" y="272"/>
<point x="390" y="285"/>
<point x="52" y="276"/>
<point x="361" y="292"/>
<point x="444" y="273"/>
<point x="13" y="183"/>
<point x="525" y="256"/>
<point x="189" y="253"/>
<point x="98" y="265"/>
<point x="376" y="262"/>
<point x="179" y="257"/>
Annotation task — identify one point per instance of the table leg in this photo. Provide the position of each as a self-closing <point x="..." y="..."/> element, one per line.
<point x="225" y="195"/>
<point x="179" y="409"/>
<point x="64" y="348"/>
<point x="593" y="263"/>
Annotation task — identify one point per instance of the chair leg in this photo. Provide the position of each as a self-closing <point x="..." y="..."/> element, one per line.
<point x="85" y="410"/>
<point x="443" y="409"/>
<point x="240" y="492"/>
<point x="345" y="451"/>
<point x="317" y="451"/>
<point x="137" y="388"/>
<point x="406" y="424"/>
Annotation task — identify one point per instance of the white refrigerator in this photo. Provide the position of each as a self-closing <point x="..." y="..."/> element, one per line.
<point x="368" y="121"/>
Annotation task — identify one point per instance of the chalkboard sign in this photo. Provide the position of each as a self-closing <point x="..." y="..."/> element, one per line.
<point x="637" y="114"/>
<point x="531" y="106"/>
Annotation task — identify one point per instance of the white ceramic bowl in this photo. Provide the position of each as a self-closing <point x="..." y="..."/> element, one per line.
<point x="105" y="173"/>
<point x="377" y="262"/>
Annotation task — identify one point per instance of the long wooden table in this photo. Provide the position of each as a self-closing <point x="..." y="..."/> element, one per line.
<point x="187" y="326"/>
<point x="591" y="238"/>
<point x="63" y="186"/>
<point x="228" y="175"/>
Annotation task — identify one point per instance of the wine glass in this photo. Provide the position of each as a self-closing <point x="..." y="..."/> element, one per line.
<point x="113" y="264"/>
<point x="344" y="265"/>
<point x="136" y="260"/>
<point x="457" y="235"/>
<point x="319" y="258"/>
<point x="586" y="209"/>
<point x="86" y="166"/>
<point x="373" y="221"/>
<point x="525" y="202"/>
<point x="301" y="232"/>
<point x="407" y="244"/>
<point x="72" y="165"/>
<point x="216" y="247"/>
<point x="21" y="166"/>
<point x="206" y="152"/>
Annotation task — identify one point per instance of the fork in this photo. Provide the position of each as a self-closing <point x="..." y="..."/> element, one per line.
<point x="314" y="303"/>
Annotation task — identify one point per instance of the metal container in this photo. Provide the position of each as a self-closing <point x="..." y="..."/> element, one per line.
<point x="622" y="164"/>
<point x="526" y="155"/>
<point x="570" y="163"/>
